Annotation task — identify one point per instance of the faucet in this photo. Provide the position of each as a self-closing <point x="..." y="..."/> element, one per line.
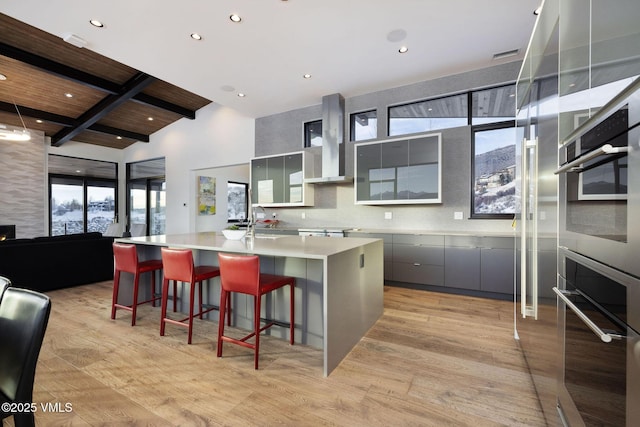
<point x="251" y="226"/>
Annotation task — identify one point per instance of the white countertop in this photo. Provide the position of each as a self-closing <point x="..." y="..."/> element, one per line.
<point x="312" y="247"/>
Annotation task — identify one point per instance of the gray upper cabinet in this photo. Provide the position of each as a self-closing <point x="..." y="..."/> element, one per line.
<point x="399" y="171"/>
<point x="279" y="180"/>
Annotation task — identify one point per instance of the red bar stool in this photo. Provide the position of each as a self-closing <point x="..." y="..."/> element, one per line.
<point x="126" y="259"/>
<point x="241" y="273"/>
<point x="179" y="266"/>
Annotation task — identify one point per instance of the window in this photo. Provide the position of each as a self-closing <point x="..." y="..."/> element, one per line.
<point x="237" y="201"/>
<point x="82" y="194"/>
<point x="493" y="105"/>
<point x="493" y="152"/>
<point x="425" y="116"/>
<point x="146" y="198"/>
<point x="364" y="125"/>
<point x="313" y="134"/>
<point x="493" y="171"/>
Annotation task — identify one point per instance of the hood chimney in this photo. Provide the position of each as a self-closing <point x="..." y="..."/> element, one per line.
<point x="332" y="142"/>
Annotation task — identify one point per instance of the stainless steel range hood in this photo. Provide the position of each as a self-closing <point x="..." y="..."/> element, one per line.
<point x="332" y="142"/>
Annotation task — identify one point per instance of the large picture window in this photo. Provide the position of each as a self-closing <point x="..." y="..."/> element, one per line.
<point x="493" y="172"/>
<point x="82" y="194"/>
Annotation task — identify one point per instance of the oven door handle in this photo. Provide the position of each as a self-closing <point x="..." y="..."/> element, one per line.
<point x="605" y="337"/>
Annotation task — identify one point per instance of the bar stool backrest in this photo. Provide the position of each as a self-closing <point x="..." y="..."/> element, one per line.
<point x="240" y="273"/>
<point x="178" y="264"/>
<point x="126" y="257"/>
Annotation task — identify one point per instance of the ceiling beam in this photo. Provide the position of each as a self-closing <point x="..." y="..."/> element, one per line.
<point x="119" y="132"/>
<point x="58" y="69"/>
<point x="134" y="86"/>
<point x="98" y="83"/>
<point x="70" y="122"/>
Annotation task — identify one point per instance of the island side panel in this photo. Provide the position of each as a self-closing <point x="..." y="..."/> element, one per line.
<point x="308" y="300"/>
<point x="353" y="297"/>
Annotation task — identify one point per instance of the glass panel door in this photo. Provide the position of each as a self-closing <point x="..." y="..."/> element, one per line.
<point x="101" y="206"/>
<point x="157" y="207"/>
<point x="137" y="204"/>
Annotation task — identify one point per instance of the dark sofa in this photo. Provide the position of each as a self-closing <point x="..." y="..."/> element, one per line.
<point x="54" y="262"/>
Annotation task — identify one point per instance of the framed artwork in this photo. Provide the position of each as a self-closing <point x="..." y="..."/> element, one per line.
<point x="206" y="195"/>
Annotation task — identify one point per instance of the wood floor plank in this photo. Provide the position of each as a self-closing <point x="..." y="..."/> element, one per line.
<point x="431" y="360"/>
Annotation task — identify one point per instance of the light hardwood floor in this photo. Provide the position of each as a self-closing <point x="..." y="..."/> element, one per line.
<point x="431" y="360"/>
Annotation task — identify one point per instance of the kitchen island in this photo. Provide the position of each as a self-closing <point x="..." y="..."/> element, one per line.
<point x="339" y="283"/>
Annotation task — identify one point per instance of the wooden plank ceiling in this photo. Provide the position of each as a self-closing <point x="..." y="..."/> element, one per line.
<point x="111" y="103"/>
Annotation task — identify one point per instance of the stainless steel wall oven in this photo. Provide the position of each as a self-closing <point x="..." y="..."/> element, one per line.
<point x="600" y="382"/>
<point x="600" y="184"/>
<point x="599" y="266"/>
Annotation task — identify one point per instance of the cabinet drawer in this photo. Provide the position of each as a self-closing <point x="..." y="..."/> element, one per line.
<point x="497" y="242"/>
<point x="418" y="239"/>
<point x="431" y="255"/>
<point x="388" y="238"/>
<point x="462" y="241"/>
<point x="418" y="273"/>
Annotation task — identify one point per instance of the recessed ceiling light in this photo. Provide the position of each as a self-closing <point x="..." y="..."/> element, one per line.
<point x="241" y="95"/>
<point x="118" y="137"/>
<point x="235" y="18"/>
<point x="68" y="95"/>
<point x="403" y="49"/>
<point x="96" y="23"/>
<point x="150" y="119"/>
<point x="38" y="121"/>
<point x="307" y="76"/>
<point x="78" y="171"/>
<point x="196" y="36"/>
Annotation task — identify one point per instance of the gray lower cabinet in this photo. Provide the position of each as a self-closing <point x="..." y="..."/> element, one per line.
<point x="477" y="263"/>
<point x="418" y="259"/>
<point x="497" y="272"/>
<point x="462" y="268"/>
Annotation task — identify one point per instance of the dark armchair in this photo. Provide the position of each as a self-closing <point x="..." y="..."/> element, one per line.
<point x="23" y="321"/>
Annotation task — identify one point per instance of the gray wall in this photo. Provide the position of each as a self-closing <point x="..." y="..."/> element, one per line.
<point x="334" y="204"/>
<point x="24" y="182"/>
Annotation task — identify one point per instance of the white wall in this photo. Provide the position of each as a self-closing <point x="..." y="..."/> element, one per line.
<point x="223" y="174"/>
<point x="219" y="136"/>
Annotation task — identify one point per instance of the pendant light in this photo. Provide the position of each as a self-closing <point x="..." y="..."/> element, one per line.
<point x="10" y="134"/>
